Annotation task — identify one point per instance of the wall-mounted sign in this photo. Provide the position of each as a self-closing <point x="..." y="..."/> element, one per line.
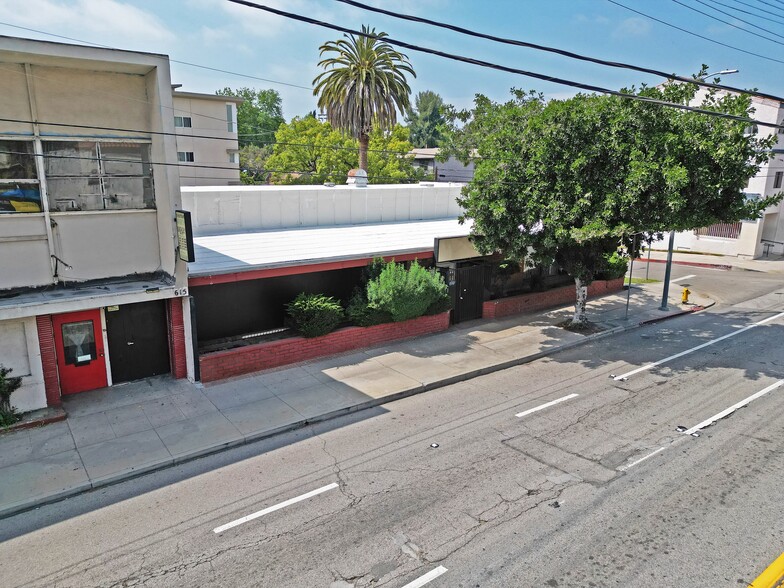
<point x="113" y="308"/>
<point x="184" y="235"/>
<point x="454" y="248"/>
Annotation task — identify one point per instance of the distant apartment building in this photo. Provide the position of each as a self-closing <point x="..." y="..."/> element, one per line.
<point x="207" y="140"/>
<point x="451" y="170"/>
<point x="92" y="290"/>
<point x="751" y="238"/>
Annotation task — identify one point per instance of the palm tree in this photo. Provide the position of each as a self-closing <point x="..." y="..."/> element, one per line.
<point x="363" y="86"/>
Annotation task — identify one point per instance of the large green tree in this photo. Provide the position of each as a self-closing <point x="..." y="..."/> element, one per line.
<point x="571" y="180"/>
<point x="259" y="116"/>
<point x="308" y="151"/>
<point x="363" y="86"/>
<point x="426" y="120"/>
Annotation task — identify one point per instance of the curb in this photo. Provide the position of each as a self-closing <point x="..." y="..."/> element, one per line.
<point x="721" y="266"/>
<point x="30" y="504"/>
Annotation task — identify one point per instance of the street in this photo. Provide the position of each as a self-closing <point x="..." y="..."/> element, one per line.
<point x="577" y="470"/>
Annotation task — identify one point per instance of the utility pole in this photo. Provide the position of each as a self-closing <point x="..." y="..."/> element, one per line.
<point x="667" y="273"/>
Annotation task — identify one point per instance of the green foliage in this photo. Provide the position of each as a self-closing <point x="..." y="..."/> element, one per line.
<point x="426" y="121"/>
<point x="613" y="267"/>
<point x="363" y="86"/>
<point x="308" y="151"/>
<point x="259" y="116"/>
<point x="253" y="163"/>
<point x="407" y="294"/>
<point x="360" y="313"/>
<point x="572" y="179"/>
<point x="315" y="314"/>
<point x="8" y="385"/>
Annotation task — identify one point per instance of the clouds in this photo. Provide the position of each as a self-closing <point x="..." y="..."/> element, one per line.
<point x="632" y="27"/>
<point x="101" y="22"/>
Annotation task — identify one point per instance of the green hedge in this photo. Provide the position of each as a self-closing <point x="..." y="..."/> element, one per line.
<point x="614" y="266"/>
<point x="404" y="293"/>
<point x="315" y="314"/>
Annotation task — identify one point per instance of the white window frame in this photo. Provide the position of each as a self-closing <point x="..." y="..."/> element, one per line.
<point x="185" y="157"/>
<point x="185" y="122"/>
<point x="231" y="117"/>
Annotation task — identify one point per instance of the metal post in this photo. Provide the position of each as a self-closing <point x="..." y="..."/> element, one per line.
<point x="667" y="273"/>
<point x="648" y="265"/>
<point x="631" y="274"/>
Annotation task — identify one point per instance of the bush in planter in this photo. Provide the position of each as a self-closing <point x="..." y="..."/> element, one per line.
<point x="406" y="294"/>
<point x="8" y="385"/>
<point x="360" y="313"/>
<point x="614" y="267"/>
<point x="315" y="314"/>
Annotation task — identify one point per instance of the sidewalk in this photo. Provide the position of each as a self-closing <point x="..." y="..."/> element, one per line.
<point x="773" y="264"/>
<point x="121" y="432"/>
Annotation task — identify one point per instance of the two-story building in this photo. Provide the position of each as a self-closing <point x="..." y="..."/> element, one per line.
<point x="207" y="139"/>
<point x="92" y="291"/>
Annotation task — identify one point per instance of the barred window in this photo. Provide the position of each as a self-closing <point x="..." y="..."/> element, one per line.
<point x="19" y="186"/>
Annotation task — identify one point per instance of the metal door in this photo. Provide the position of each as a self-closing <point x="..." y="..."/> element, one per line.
<point x="78" y="341"/>
<point x="469" y="290"/>
<point x="138" y="340"/>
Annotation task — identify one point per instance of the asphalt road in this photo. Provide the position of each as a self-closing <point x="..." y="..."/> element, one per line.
<point x="598" y="489"/>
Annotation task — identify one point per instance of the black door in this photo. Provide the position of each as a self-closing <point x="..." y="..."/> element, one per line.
<point x="138" y="340"/>
<point x="469" y="290"/>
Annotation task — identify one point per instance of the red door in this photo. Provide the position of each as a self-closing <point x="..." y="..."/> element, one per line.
<point x="80" y="357"/>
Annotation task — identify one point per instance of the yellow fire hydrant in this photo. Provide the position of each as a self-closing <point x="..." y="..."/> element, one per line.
<point x="685" y="296"/>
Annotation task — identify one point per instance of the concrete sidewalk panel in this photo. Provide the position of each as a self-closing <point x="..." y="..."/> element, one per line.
<point x="90" y="429"/>
<point x="423" y="370"/>
<point x="373" y="379"/>
<point x="226" y="395"/>
<point x="27" y="444"/>
<point x="162" y="411"/>
<point x="264" y="415"/>
<point x="323" y="399"/>
<point x="41" y="478"/>
<point x="193" y="403"/>
<point x="126" y="420"/>
<point x="192" y="436"/>
<point x="126" y="454"/>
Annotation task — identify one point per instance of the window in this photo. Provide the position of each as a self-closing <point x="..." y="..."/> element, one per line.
<point x="89" y="175"/>
<point x="231" y="119"/>
<point x="777" y="179"/>
<point x="185" y="156"/>
<point x="234" y="157"/>
<point x="19" y="188"/>
<point x="182" y="121"/>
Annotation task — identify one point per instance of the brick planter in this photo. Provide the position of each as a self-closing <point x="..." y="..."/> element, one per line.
<point x="253" y="358"/>
<point x="547" y="299"/>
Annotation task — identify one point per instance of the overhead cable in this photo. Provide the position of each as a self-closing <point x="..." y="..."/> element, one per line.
<point x="692" y="33"/>
<point x="766" y="16"/>
<point x="722" y="21"/>
<point x="563" y="52"/>
<point x="487" y="64"/>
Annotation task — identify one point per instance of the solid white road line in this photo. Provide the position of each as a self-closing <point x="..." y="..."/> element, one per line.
<point x="273" y="508"/>
<point x="642" y="459"/>
<point x="546" y="405"/>
<point x="684" y="278"/>
<point x="428" y="577"/>
<point x="733" y="408"/>
<point x="697" y="348"/>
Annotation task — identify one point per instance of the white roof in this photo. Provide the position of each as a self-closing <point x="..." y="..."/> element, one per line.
<point x="237" y="252"/>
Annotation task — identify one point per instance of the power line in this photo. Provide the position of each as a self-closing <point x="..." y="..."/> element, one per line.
<point x="769" y="4"/>
<point x="740" y="28"/>
<point x="563" y="52"/>
<point x="750" y="5"/>
<point x="234" y="73"/>
<point x="692" y="33"/>
<point x="481" y="63"/>
<point x="766" y="16"/>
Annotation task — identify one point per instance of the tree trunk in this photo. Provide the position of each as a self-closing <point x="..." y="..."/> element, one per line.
<point x="581" y="289"/>
<point x="364" y="141"/>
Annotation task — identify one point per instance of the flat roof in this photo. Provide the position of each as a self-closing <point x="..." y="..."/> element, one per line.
<point x="238" y="252"/>
<point x="320" y="187"/>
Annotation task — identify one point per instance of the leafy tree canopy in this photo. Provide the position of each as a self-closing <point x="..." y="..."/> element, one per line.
<point x="308" y="151"/>
<point x="573" y="179"/>
<point x="426" y="120"/>
<point x="259" y="116"/>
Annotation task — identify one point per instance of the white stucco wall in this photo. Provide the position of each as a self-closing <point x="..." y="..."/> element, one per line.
<point x="19" y="351"/>
<point x="227" y="209"/>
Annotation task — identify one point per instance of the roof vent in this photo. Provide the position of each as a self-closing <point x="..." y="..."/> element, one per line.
<point x="357" y="178"/>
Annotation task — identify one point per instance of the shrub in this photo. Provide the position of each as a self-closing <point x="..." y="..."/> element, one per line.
<point x="315" y="314"/>
<point x="406" y="294"/>
<point x="360" y="313"/>
<point x="8" y="385"/>
<point x="614" y="266"/>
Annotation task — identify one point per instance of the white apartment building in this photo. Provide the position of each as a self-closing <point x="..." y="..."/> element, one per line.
<point x="207" y="140"/>
<point x="752" y="238"/>
<point x="92" y="290"/>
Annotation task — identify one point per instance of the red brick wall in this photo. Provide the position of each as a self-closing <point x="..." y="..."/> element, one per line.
<point x="179" y="367"/>
<point x="48" y="359"/>
<point x="547" y="299"/>
<point x="244" y="360"/>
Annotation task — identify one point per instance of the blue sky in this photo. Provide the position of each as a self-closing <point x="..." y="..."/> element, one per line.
<point x="218" y="34"/>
